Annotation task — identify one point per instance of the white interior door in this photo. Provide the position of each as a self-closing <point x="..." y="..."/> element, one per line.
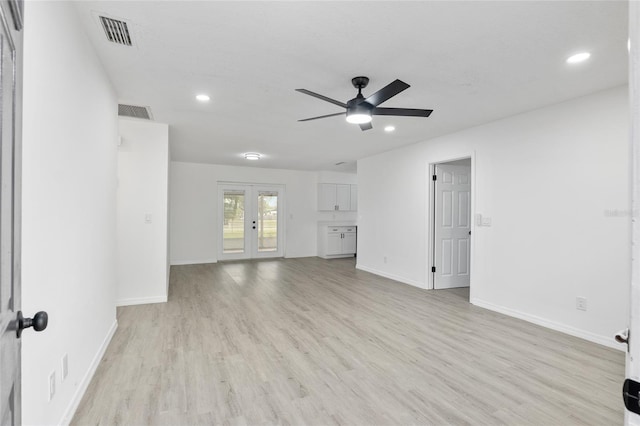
<point x="10" y="194"/>
<point x="633" y="354"/>
<point x="452" y="226"/>
<point x="251" y="219"/>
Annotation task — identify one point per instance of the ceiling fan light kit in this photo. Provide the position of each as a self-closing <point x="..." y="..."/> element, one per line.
<point x="360" y="110"/>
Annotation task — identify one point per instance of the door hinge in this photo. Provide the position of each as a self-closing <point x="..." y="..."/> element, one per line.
<point x="631" y="395"/>
<point x="433" y="269"/>
<point x="435" y="177"/>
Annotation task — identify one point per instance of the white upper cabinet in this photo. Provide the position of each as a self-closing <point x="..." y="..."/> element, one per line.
<point x="337" y="197"/>
<point x="343" y="197"/>
<point x="354" y="198"/>
<point x="327" y="196"/>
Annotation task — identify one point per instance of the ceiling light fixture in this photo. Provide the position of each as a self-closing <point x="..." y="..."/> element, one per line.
<point x="389" y="129"/>
<point x="252" y="156"/>
<point x="203" y="98"/>
<point x="358" y="114"/>
<point x="579" y="57"/>
<point x="358" y="118"/>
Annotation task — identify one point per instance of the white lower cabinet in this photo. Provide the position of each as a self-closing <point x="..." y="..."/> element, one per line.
<point x="337" y="241"/>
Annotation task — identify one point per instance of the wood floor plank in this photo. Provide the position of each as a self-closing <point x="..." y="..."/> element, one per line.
<point x="317" y="342"/>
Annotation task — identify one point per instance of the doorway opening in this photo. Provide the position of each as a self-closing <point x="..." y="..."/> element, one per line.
<point x="250" y="221"/>
<point x="451" y="219"/>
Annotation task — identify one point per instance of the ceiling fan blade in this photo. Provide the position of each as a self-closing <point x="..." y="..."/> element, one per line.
<point x="402" y="112"/>
<point x="324" y="98"/>
<point x="323" y="116"/>
<point x="387" y="92"/>
<point x="366" y="126"/>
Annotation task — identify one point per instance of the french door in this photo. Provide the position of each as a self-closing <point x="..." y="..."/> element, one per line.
<point x="250" y="221"/>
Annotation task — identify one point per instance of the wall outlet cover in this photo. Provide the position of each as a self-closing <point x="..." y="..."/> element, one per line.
<point x="581" y="303"/>
<point x="52" y="385"/>
<point x="65" y="366"/>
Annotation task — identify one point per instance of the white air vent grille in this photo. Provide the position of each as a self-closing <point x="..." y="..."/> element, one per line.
<point x="134" y="111"/>
<point x="116" y="31"/>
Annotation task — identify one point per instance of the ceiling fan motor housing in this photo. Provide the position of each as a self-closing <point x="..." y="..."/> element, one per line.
<point x="358" y="111"/>
<point x="358" y="106"/>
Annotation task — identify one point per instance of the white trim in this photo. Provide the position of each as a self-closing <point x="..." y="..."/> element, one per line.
<point x="84" y="383"/>
<point x="141" y="300"/>
<point x="192" y="262"/>
<point x="391" y="276"/>
<point x="430" y="170"/>
<point x="632" y="361"/>
<point x="608" y="341"/>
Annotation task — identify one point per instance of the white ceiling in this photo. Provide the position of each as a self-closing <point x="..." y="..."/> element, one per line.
<point x="472" y="62"/>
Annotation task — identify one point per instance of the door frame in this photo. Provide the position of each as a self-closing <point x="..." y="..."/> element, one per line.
<point x="632" y="367"/>
<point x="432" y="161"/>
<point x="220" y="220"/>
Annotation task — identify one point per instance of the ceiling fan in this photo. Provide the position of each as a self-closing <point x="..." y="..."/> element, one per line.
<point x="360" y="109"/>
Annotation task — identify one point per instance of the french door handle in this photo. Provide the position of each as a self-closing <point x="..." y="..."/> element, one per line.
<point x="38" y="322"/>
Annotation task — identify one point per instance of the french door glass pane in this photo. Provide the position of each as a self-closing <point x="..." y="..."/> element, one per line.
<point x="233" y="227"/>
<point x="267" y="221"/>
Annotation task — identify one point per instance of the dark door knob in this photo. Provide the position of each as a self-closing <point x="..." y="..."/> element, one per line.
<point x="38" y="322"/>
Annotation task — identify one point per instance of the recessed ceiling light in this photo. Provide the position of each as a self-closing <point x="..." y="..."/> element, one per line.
<point x="389" y="128"/>
<point x="252" y="156"/>
<point x="202" y="98"/>
<point x="579" y="57"/>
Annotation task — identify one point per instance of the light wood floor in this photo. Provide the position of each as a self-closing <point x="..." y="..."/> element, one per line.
<point x="313" y="341"/>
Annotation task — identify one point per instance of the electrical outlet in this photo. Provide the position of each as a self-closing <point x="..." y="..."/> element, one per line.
<point x="385" y="259"/>
<point x="52" y="385"/>
<point x="581" y="303"/>
<point x="65" y="366"/>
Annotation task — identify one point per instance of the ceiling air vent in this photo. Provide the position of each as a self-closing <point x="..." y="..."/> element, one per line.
<point x="340" y="163"/>
<point x="116" y="31"/>
<point x="134" y="111"/>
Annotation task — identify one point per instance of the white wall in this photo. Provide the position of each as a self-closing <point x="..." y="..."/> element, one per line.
<point x="143" y="180"/>
<point x="547" y="179"/>
<point x="69" y="222"/>
<point x="194" y="212"/>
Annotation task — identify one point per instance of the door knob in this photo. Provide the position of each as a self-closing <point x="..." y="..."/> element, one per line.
<point x="622" y="336"/>
<point x="38" y="322"/>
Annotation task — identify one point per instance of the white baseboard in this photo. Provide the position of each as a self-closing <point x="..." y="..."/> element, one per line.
<point x="84" y="383"/>
<point x="391" y="276"/>
<point x="193" y="262"/>
<point x="608" y="341"/>
<point x="141" y="301"/>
